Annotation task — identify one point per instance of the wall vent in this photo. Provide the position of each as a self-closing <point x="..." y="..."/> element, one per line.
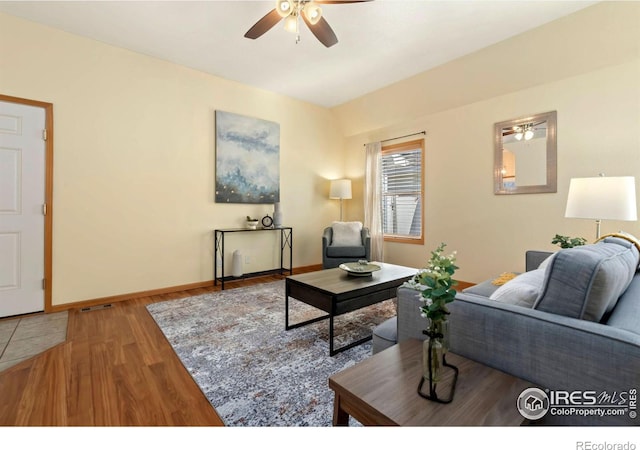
<point x="95" y="308"/>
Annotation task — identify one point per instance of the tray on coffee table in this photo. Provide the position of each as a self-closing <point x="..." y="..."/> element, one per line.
<point x="359" y="269"/>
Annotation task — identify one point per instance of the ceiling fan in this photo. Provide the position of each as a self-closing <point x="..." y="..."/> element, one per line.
<point x="291" y="11"/>
<point x="526" y="130"/>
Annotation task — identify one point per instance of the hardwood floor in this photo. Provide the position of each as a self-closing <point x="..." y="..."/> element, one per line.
<point x="115" y="369"/>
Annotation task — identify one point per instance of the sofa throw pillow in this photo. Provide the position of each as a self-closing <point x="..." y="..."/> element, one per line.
<point x="546" y="261"/>
<point x="484" y="289"/>
<point x="523" y="290"/>
<point x="585" y="282"/>
<point x="346" y="234"/>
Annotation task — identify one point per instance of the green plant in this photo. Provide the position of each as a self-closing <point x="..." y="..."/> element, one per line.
<point x="249" y="219"/>
<point x="437" y="285"/>
<point x="567" y="242"/>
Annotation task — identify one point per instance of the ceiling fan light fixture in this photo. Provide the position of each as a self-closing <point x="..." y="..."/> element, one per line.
<point x="312" y="12"/>
<point x="290" y="12"/>
<point x="528" y="134"/>
<point x="284" y="7"/>
<point x="291" y="23"/>
<point x="519" y="135"/>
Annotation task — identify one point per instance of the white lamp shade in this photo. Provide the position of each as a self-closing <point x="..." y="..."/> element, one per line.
<point x="610" y="198"/>
<point x="340" y="189"/>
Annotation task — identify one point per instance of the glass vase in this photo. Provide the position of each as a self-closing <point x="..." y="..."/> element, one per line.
<point x="434" y="362"/>
<point x="432" y="359"/>
<point x="444" y="330"/>
<point x="433" y="350"/>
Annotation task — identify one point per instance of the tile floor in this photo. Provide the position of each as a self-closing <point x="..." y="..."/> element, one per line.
<point x="24" y="337"/>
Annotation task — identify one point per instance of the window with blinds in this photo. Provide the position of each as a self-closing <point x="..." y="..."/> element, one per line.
<point x="402" y="192"/>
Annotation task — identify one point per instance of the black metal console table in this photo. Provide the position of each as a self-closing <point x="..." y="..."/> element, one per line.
<point x="286" y="240"/>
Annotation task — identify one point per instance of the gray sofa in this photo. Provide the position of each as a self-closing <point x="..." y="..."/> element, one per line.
<point x="575" y="327"/>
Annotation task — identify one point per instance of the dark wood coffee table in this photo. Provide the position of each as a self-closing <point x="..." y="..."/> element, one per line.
<point x="336" y="292"/>
<point x="382" y="390"/>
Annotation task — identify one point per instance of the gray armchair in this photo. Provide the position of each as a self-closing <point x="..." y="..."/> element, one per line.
<point x="333" y="256"/>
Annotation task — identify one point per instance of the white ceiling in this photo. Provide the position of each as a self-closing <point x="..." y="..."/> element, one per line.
<point x="379" y="42"/>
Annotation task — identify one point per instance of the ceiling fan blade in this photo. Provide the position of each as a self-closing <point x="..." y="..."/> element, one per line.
<point x="322" y="31"/>
<point x="263" y="25"/>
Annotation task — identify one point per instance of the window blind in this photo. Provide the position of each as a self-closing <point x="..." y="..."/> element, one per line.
<point x="402" y="193"/>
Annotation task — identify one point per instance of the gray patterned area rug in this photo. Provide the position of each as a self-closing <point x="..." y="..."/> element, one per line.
<point x="254" y="373"/>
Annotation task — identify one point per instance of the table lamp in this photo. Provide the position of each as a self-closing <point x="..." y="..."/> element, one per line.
<point x="600" y="198"/>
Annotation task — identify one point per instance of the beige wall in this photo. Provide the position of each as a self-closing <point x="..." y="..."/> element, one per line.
<point x="596" y="94"/>
<point x="134" y="150"/>
<point x="599" y="36"/>
<point x="134" y="163"/>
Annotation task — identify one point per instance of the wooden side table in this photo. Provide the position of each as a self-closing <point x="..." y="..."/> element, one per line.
<point x="382" y="390"/>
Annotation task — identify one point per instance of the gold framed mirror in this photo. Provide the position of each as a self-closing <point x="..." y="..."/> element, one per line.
<point x="525" y="155"/>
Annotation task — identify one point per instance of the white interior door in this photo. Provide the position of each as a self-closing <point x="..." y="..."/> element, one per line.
<point x="22" y="196"/>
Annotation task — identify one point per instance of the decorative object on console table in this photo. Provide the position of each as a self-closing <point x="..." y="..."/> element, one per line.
<point x="252" y="224"/>
<point x="286" y="243"/>
<point x="237" y="264"/>
<point x="437" y="286"/>
<point x="267" y="222"/>
<point x="277" y="215"/>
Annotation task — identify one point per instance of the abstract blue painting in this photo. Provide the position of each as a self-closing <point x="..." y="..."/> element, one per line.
<point x="247" y="159"/>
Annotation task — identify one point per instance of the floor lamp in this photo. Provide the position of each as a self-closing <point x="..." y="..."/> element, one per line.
<point x="598" y="198"/>
<point x="340" y="189"/>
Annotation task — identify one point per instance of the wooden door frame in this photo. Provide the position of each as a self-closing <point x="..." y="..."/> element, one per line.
<point x="48" y="192"/>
